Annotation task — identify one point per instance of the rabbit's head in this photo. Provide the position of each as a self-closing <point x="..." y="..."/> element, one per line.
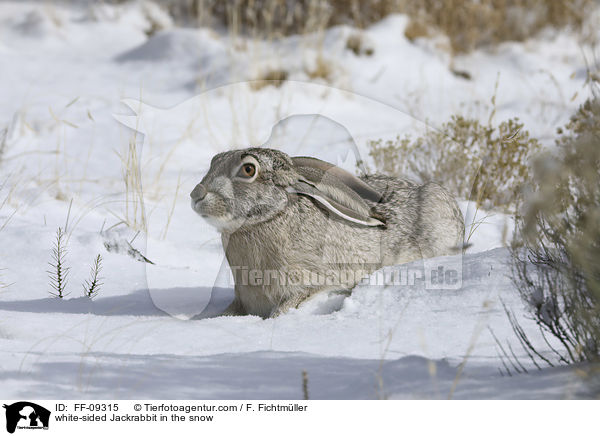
<point x="245" y="187"/>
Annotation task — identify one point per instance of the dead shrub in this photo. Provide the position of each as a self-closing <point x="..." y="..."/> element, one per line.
<point x="556" y="268"/>
<point x="484" y="163"/>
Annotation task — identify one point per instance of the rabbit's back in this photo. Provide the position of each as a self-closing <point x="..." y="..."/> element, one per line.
<point x="423" y="220"/>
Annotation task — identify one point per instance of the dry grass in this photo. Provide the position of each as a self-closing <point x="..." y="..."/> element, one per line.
<point x="417" y="27"/>
<point x="134" y="214"/>
<point x="322" y="69"/>
<point x="467" y="23"/>
<point x="255" y="18"/>
<point x="473" y="23"/>
<point x="271" y="77"/>
<point x="357" y="43"/>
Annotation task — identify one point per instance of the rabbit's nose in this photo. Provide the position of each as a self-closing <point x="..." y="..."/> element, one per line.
<point x="198" y="193"/>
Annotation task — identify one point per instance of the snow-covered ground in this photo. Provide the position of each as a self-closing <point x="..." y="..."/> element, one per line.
<point x="65" y="156"/>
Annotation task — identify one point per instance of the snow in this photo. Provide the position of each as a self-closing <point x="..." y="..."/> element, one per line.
<point x="73" y="76"/>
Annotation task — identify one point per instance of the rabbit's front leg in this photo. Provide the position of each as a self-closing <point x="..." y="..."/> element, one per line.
<point x="289" y="303"/>
<point x="235" y="308"/>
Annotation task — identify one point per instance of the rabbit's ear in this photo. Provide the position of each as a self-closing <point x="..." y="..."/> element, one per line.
<point x="316" y="171"/>
<point x="353" y="209"/>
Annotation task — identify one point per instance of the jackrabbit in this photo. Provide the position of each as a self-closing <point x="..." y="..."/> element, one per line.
<point x="295" y="226"/>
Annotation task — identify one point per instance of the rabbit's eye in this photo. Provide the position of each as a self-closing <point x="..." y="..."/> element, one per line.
<point x="248" y="170"/>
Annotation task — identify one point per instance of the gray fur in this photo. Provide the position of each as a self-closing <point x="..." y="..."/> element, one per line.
<point x="269" y="224"/>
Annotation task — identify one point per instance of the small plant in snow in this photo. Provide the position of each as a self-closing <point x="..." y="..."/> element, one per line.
<point x="59" y="272"/>
<point x="91" y="286"/>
